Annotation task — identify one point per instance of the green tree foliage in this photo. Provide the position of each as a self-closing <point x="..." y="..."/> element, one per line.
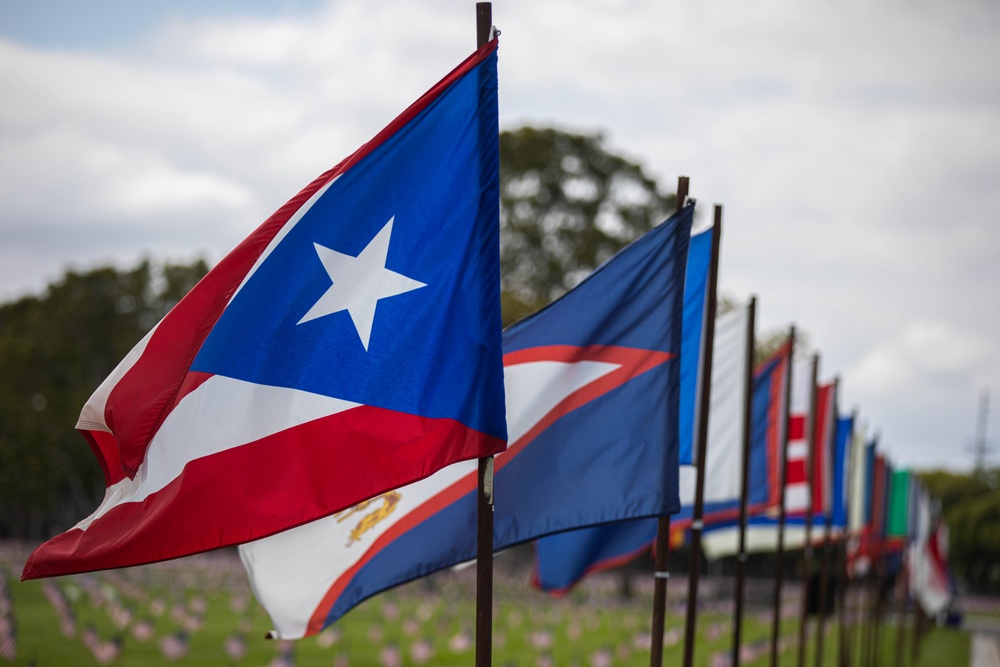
<point x="55" y="350"/>
<point x="974" y="533"/>
<point x="567" y="204"/>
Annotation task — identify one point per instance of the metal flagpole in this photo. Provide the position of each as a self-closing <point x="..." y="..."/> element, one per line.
<point x="869" y="586"/>
<point x="810" y="509"/>
<point x="741" y="556"/>
<point x="701" y="431"/>
<point x="779" y="553"/>
<point x="843" y="581"/>
<point x="662" y="574"/>
<point x="484" y="543"/>
<point x="827" y="526"/>
<point x="844" y="647"/>
<point x="902" y="588"/>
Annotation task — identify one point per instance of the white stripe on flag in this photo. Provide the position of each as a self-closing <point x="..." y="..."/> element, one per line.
<point x="227" y="413"/>
<point x="724" y="453"/>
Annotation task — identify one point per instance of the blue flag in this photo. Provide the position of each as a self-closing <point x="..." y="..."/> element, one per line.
<point x="564" y="559"/>
<point x="592" y="387"/>
<point x="841" y="462"/>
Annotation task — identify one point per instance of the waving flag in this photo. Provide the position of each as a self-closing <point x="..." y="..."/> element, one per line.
<point x="824" y="446"/>
<point x="797" y="487"/>
<point x="564" y="558"/>
<point x="768" y="421"/>
<point x="841" y="467"/>
<point x="350" y="345"/>
<point x="927" y="557"/>
<point x="592" y="386"/>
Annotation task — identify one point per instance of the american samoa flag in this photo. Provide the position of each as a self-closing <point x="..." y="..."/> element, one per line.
<point x="350" y="345"/>
<point x="592" y="389"/>
<point x="563" y="559"/>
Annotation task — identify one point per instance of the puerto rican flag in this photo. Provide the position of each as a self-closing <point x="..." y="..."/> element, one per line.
<point x="797" y="487"/>
<point x="592" y="387"/>
<point x="350" y="345"/>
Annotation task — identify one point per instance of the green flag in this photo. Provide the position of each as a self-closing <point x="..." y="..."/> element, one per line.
<point x="899" y="499"/>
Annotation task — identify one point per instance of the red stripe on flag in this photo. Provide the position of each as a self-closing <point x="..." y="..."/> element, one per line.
<point x="267" y="477"/>
<point x="144" y="396"/>
<point x="796" y="428"/>
<point x="633" y="362"/>
<point x="796" y="472"/>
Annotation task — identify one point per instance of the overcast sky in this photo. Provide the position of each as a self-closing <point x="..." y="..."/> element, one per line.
<point x="855" y="147"/>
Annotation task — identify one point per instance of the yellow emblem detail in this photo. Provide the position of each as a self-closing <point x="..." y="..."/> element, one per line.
<point x="369" y="521"/>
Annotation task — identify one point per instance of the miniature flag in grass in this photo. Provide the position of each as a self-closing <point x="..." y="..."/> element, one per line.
<point x="350" y="345"/>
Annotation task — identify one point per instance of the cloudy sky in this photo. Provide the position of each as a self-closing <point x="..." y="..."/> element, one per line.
<point x="855" y="147"/>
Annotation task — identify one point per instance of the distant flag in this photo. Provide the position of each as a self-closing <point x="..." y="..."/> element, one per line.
<point x="389" y="656"/>
<point x="421" y="651"/>
<point x="871" y="544"/>
<point x="859" y="547"/>
<point x="142" y="630"/>
<point x="797" y="487"/>
<point x="930" y="580"/>
<point x="592" y="391"/>
<point x="8" y="639"/>
<point x="768" y="422"/>
<point x="800" y="490"/>
<point x="174" y="646"/>
<point x="726" y="417"/>
<point x="898" y="512"/>
<point x="857" y="486"/>
<point x="840" y="489"/>
<point x="767" y="426"/>
<point x="285" y="656"/>
<point x="881" y="493"/>
<point x="106" y="652"/>
<point x="824" y="444"/>
<point x="350" y="345"/>
<point x="461" y="641"/>
<point x="235" y="646"/>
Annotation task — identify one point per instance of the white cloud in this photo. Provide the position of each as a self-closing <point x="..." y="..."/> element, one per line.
<point x="922" y="353"/>
<point x="855" y="145"/>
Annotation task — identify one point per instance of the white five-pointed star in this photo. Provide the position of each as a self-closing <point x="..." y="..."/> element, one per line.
<point x="359" y="282"/>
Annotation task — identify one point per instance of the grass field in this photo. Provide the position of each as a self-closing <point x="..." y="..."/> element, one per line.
<point x="122" y="617"/>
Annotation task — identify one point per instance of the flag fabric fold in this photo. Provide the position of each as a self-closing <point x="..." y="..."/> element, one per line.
<point x="592" y="389"/>
<point x="929" y="577"/>
<point x="348" y="346"/>
<point x="771" y="384"/>
<point x="563" y="559"/>
<point x="840" y="489"/>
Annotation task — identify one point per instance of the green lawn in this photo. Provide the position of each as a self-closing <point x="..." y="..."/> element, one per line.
<point x="210" y="596"/>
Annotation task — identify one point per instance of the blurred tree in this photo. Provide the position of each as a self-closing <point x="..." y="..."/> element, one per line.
<point x="974" y="533"/>
<point x="970" y="505"/>
<point x="55" y="350"/>
<point x="567" y="204"/>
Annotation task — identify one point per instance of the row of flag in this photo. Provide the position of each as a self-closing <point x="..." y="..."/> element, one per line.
<point x="323" y="396"/>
